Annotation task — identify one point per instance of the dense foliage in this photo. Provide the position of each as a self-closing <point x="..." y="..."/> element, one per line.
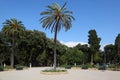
<point x="33" y="46"/>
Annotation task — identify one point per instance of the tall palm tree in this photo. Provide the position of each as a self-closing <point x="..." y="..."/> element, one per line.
<point x="55" y="18"/>
<point x="12" y="28"/>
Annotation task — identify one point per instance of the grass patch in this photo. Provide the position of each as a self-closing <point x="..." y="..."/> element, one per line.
<point x="53" y="72"/>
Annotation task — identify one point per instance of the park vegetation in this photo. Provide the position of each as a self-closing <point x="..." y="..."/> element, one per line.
<point x="33" y="46"/>
<point x="20" y="46"/>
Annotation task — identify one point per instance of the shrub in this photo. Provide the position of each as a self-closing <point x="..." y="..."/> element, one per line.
<point x="111" y="66"/>
<point x="118" y="66"/>
<point x="102" y="68"/>
<point x="19" y="67"/>
<point x="1" y="68"/>
<point x="8" y="67"/>
<point x="85" y="67"/>
<point x="89" y="65"/>
<point x="52" y="70"/>
<point x="67" y="67"/>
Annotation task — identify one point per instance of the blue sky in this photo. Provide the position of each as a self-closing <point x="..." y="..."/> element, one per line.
<point x="101" y="15"/>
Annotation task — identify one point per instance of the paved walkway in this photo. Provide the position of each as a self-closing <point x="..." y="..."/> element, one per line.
<point x="73" y="74"/>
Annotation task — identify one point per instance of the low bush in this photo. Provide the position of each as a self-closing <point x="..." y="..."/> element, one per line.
<point x="1" y="68"/>
<point x="111" y="66"/>
<point x="85" y="67"/>
<point x="52" y="70"/>
<point x="8" y="67"/>
<point x="19" y="67"/>
<point x="67" y="67"/>
<point x="102" y="68"/>
<point x="118" y="67"/>
<point x="89" y="65"/>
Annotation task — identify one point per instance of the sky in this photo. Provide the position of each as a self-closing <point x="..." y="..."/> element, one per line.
<point x="101" y="15"/>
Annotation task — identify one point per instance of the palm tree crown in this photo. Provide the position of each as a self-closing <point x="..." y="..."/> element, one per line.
<point x="57" y="17"/>
<point x="13" y="26"/>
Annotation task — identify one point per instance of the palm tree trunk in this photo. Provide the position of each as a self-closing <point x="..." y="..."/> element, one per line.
<point x="12" y="54"/>
<point x="55" y="55"/>
<point x="55" y="40"/>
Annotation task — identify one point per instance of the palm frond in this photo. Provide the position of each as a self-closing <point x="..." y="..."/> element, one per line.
<point x="56" y="16"/>
<point x="63" y="7"/>
<point x="45" y="13"/>
<point x="50" y="7"/>
<point x="12" y="26"/>
<point x="57" y="6"/>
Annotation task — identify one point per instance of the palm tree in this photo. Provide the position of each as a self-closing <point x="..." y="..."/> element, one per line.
<point x="12" y="28"/>
<point x="55" y="18"/>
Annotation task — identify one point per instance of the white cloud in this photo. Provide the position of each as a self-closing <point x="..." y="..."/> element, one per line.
<point x="72" y="44"/>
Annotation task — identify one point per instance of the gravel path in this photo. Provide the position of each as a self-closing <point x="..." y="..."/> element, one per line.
<point x="73" y="74"/>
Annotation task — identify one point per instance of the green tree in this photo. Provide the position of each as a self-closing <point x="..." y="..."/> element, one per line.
<point x="12" y="28"/>
<point x="117" y="48"/>
<point x="73" y="56"/>
<point x="85" y="49"/>
<point x="97" y="57"/>
<point x="56" y="17"/>
<point x="2" y="48"/>
<point x="30" y="46"/>
<point x="94" y="43"/>
<point x="109" y="53"/>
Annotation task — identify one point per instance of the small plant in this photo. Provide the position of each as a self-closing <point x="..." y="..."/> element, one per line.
<point x="89" y="65"/>
<point x="8" y="67"/>
<point x="118" y="66"/>
<point x="1" y="68"/>
<point x="67" y="67"/>
<point x="111" y="66"/>
<point x="85" y="67"/>
<point x="19" y="67"/>
<point x="102" y="68"/>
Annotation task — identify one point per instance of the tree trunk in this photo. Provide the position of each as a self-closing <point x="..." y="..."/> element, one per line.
<point x="55" y="40"/>
<point x="12" y="54"/>
<point x="83" y="60"/>
<point x="1" y="64"/>
<point x="55" y="55"/>
<point x="105" y="59"/>
<point x="92" y="59"/>
<point x="118" y="52"/>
